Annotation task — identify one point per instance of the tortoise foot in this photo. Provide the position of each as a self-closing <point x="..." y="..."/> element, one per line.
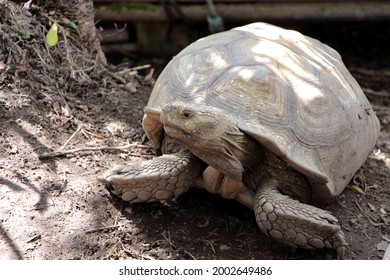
<point x="158" y="179"/>
<point x="296" y="224"/>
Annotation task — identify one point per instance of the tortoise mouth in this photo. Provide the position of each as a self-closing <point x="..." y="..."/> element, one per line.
<point x="174" y="124"/>
<point x="176" y="132"/>
<point x="173" y="131"/>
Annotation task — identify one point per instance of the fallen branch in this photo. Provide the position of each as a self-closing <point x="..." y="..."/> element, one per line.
<point x="88" y="149"/>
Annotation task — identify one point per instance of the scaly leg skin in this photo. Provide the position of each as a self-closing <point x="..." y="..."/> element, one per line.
<point x="158" y="179"/>
<point x="294" y="223"/>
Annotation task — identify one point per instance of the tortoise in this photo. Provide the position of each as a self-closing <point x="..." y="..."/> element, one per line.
<point x="263" y="115"/>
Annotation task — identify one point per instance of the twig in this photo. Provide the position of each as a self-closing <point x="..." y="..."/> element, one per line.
<point x="206" y="223"/>
<point x="380" y="109"/>
<point x="168" y="239"/>
<point x="115" y="76"/>
<point x="371" y="72"/>
<point x="34" y="238"/>
<point x="136" y="254"/>
<point x="370" y="218"/>
<point x="101" y="228"/>
<point x="141" y="67"/>
<point x="85" y="134"/>
<point x="188" y="253"/>
<point x="48" y="168"/>
<point x="211" y="245"/>
<point x="133" y="69"/>
<point x="86" y="131"/>
<point x="73" y="151"/>
<point x="71" y="137"/>
<point x="381" y="93"/>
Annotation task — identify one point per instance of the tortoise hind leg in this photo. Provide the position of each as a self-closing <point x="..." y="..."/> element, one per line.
<point x="294" y="223"/>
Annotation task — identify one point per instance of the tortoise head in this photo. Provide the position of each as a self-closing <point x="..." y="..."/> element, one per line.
<point x="210" y="135"/>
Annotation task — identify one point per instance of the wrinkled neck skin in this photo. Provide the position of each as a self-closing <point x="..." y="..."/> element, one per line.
<point x="212" y="137"/>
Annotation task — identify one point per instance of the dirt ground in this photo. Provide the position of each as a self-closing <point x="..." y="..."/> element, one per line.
<point x="53" y="208"/>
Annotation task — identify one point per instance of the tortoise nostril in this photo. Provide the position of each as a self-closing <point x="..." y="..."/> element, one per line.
<point x="168" y="108"/>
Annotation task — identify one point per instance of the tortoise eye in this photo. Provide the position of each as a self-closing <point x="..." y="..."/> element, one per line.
<point x="186" y="114"/>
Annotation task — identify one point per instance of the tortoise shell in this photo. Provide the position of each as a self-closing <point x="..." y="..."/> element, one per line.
<point x="290" y="92"/>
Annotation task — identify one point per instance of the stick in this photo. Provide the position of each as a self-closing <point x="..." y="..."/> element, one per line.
<point x="371" y="219"/>
<point x="101" y="228"/>
<point x="73" y="151"/>
<point x="188" y="253"/>
<point x="71" y="137"/>
<point x="115" y="76"/>
<point x="211" y="244"/>
<point x="34" y="238"/>
<point x="133" y="69"/>
<point x="381" y="93"/>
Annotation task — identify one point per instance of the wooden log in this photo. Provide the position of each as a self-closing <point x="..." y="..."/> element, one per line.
<point x="249" y="12"/>
<point x="228" y="1"/>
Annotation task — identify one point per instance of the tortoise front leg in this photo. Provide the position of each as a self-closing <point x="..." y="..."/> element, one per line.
<point x="294" y="223"/>
<point x="158" y="179"/>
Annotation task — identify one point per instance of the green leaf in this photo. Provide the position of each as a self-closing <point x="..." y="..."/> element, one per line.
<point x="73" y="25"/>
<point x="15" y="21"/>
<point x="25" y="37"/>
<point x="52" y="35"/>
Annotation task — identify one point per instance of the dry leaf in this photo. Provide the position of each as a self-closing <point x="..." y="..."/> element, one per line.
<point x="21" y="67"/>
<point x="66" y="110"/>
<point x="66" y="124"/>
<point x="372" y="207"/>
<point x="149" y="75"/>
<point x="2" y="65"/>
<point x="84" y="108"/>
<point x="56" y="106"/>
<point x="129" y="87"/>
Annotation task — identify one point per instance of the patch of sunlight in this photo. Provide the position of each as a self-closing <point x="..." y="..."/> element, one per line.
<point x="271" y="49"/>
<point x="190" y="79"/>
<point x="217" y="59"/>
<point x="381" y="156"/>
<point x="115" y="127"/>
<point x="204" y="65"/>
<point x="262" y="29"/>
<point x="309" y="94"/>
<point x="246" y="74"/>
